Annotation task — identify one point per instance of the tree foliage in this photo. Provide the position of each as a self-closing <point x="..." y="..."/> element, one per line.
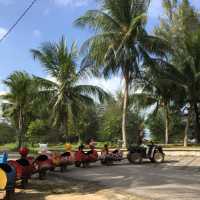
<point x="67" y="95"/>
<point x="121" y="44"/>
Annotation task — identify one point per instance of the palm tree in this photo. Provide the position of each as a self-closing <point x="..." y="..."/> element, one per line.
<point x="18" y="101"/>
<point x="188" y="78"/>
<point x="154" y="96"/>
<point x="66" y="94"/>
<point x="185" y="73"/>
<point x="121" y="44"/>
<point x="181" y="28"/>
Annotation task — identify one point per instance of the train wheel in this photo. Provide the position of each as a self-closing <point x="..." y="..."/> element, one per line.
<point x="10" y="195"/>
<point x="24" y="183"/>
<point x="77" y="163"/>
<point x="42" y="174"/>
<point x="63" y="168"/>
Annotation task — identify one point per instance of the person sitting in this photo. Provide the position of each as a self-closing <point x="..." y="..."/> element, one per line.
<point x="81" y="148"/>
<point x="91" y="150"/>
<point x="23" y="151"/>
<point x="67" y="153"/>
<point x="105" y="150"/>
<point x="43" y="150"/>
<point x="116" y="151"/>
<point x="92" y="153"/>
<point x="67" y="156"/>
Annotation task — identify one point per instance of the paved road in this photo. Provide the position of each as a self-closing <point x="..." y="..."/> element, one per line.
<point x="177" y="179"/>
<point x="174" y="180"/>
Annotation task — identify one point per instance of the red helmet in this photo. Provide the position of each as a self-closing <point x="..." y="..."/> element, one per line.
<point x="23" y="151"/>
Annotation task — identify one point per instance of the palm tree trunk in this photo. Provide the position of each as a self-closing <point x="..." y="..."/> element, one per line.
<point x="65" y="126"/>
<point x="166" y="123"/>
<point x="20" y="128"/>
<point x="186" y="130"/>
<point x="76" y="130"/>
<point x="197" y="122"/>
<point x="124" y="113"/>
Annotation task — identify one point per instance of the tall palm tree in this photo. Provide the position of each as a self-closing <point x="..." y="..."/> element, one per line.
<point x="121" y="45"/>
<point x="155" y="96"/>
<point x="66" y="94"/>
<point x="181" y="28"/>
<point x="18" y="101"/>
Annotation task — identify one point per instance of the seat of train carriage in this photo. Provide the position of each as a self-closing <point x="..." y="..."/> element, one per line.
<point x="24" y="162"/>
<point x="66" y="154"/>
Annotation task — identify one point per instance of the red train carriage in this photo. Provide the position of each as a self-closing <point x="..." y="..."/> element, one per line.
<point x="85" y="158"/>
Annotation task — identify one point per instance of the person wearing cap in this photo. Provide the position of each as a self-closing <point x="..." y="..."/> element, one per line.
<point x="67" y="155"/>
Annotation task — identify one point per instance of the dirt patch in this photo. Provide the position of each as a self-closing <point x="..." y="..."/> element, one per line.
<point x="55" y="188"/>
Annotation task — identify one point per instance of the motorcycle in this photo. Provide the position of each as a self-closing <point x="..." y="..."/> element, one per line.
<point x="152" y="152"/>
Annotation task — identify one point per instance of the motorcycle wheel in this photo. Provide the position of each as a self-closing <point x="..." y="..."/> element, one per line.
<point x="135" y="158"/>
<point x="158" y="157"/>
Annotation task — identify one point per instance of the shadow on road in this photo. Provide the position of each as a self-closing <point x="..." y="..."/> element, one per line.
<point x="174" y="178"/>
<point x="56" y="186"/>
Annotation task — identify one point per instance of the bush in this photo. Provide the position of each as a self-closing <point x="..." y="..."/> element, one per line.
<point x="156" y="125"/>
<point x="37" y="130"/>
<point x="7" y="134"/>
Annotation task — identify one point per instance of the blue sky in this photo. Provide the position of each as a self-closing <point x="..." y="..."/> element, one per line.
<point x="48" y="20"/>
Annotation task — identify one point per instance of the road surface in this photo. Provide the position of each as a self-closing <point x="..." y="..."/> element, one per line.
<point x="173" y="180"/>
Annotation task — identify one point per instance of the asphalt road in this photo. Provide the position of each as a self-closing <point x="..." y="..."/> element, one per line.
<point x="176" y="179"/>
<point x="167" y="181"/>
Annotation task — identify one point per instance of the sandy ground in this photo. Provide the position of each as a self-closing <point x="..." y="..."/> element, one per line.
<point x="176" y="179"/>
<point x="57" y="188"/>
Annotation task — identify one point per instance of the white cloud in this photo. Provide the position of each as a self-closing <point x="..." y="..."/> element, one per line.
<point x="112" y="85"/>
<point x="74" y="3"/>
<point x="50" y="78"/>
<point x="3" y="31"/>
<point x="37" y="33"/>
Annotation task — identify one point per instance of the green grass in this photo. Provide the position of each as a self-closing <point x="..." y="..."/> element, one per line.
<point x="12" y="147"/>
<point x="52" y="147"/>
<point x="8" y="147"/>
